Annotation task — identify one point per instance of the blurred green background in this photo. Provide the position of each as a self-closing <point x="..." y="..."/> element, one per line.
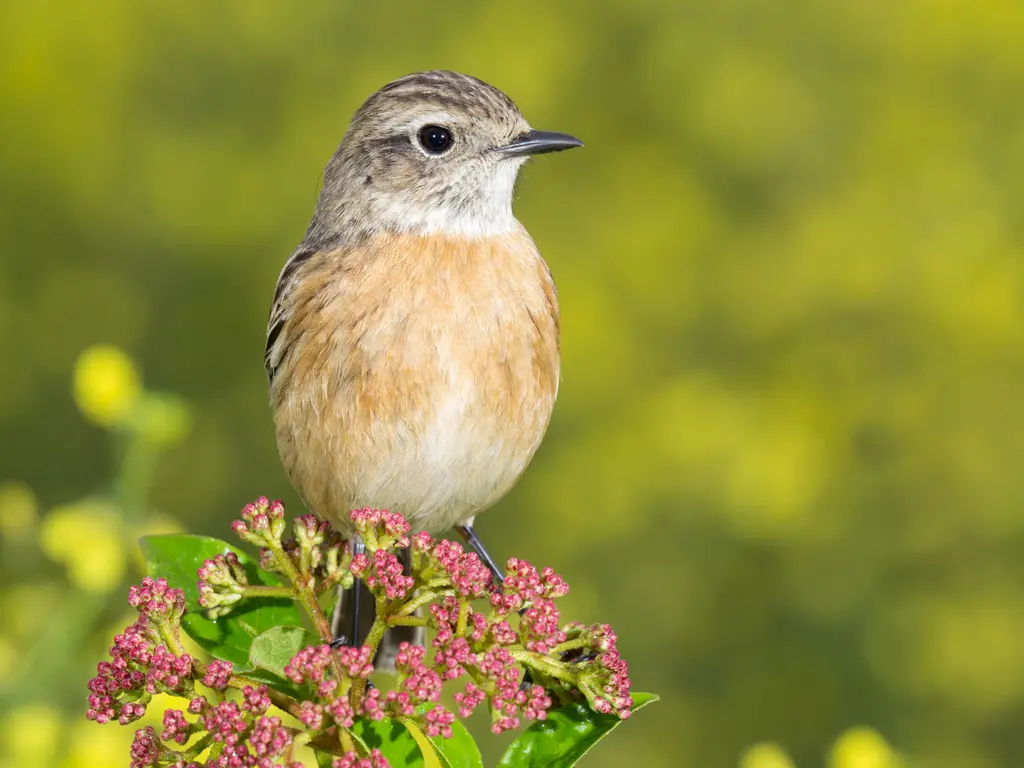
<point x="786" y="462"/>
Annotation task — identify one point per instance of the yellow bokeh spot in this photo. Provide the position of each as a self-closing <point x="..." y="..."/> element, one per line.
<point x="93" y="746"/>
<point x="18" y="509"/>
<point x="30" y="734"/>
<point x="766" y="755"/>
<point x="8" y="658"/>
<point x="863" y="748"/>
<point x="106" y="385"/>
<point x="87" y="537"/>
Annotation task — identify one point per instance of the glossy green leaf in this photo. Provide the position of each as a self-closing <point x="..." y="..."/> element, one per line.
<point x="431" y="757"/>
<point x="270" y="653"/>
<point x="273" y="649"/>
<point x="565" y="736"/>
<point x="460" y="751"/>
<point x="393" y="739"/>
<point x="177" y="557"/>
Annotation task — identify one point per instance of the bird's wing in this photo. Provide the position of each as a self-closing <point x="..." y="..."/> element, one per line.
<point x="277" y="347"/>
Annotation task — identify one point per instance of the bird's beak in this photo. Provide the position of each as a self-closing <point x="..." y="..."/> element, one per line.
<point x="538" y="142"/>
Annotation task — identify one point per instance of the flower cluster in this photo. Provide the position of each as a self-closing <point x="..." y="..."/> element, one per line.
<point x="147" y="659"/>
<point x="502" y="646"/>
<point x="141" y="664"/>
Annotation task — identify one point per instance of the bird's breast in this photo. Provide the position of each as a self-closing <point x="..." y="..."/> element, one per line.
<point x="427" y="376"/>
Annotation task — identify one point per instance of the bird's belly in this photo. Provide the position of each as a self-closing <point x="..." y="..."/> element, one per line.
<point x="459" y="449"/>
<point x="443" y="466"/>
<point x="427" y="395"/>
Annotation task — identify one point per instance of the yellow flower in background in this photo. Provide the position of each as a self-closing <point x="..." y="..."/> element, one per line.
<point x="87" y="536"/>
<point x="766" y="755"/>
<point x="106" y="385"/>
<point x="18" y="509"/>
<point x="863" y="748"/>
<point x="30" y="734"/>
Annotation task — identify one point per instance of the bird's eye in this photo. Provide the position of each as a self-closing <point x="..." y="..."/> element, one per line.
<point x="435" y="139"/>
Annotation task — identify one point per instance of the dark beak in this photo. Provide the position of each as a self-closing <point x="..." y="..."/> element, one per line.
<point x="539" y="142"/>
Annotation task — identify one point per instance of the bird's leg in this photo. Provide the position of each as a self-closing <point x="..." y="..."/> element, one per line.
<point x="355" y="594"/>
<point x="336" y="620"/>
<point x="358" y="548"/>
<point x="466" y="531"/>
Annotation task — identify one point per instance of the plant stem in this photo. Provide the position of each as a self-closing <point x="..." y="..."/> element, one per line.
<point x="279" y="700"/>
<point x="570" y="645"/>
<point x="303" y="589"/>
<point x="263" y="591"/>
<point x="327" y="743"/>
<point x="372" y="641"/>
<point x="421" y="599"/>
<point x="196" y="749"/>
<point x="545" y="664"/>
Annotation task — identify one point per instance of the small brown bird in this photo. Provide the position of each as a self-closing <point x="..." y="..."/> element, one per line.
<point x="413" y="341"/>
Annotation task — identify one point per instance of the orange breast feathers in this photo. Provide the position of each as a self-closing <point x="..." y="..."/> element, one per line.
<point x="416" y="373"/>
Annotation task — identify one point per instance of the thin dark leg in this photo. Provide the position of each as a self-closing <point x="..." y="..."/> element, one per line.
<point x="349" y="599"/>
<point x="358" y="548"/>
<point x="467" y="532"/>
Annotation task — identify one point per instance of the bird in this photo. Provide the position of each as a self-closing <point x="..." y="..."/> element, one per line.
<point x="413" y="345"/>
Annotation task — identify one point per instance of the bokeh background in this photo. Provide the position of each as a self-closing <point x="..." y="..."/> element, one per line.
<point x="786" y="462"/>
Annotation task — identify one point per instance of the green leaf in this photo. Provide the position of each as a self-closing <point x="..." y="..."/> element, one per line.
<point x="392" y="738"/>
<point x="431" y="758"/>
<point x="270" y="653"/>
<point x="565" y="736"/>
<point x="460" y="751"/>
<point x="177" y="557"/>
<point x="273" y="649"/>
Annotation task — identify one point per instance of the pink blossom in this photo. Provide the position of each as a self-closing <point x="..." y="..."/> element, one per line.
<point x="256" y="700"/>
<point x="469" y="699"/>
<point x="269" y="737"/>
<point x="341" y="710"/>
<point x="352" y="760"/>
<point x="153" y="598"/>
<point x="309" y="664"/>
<point x="468" y="574"/>
<point x="392" y="524"/>
<point x="312" y="715"/>
<point x="384" y="572"/>
<point x="217" y="674"/>
<point x="439" y="722"/>
<point x="145" y="749"/>
<point x="176" y="727"/>
<point x="224" y="721"/>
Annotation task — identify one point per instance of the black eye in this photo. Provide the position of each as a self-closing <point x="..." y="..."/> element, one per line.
<point x="435" y="139"/>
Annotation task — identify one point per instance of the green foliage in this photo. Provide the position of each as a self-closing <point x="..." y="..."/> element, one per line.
<point x="565" y="737"/>
<point x="392" y="738"/>
<point x="177" y="557"/>
<point x="460" y="751"/>
<point x="272" y="650"/>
